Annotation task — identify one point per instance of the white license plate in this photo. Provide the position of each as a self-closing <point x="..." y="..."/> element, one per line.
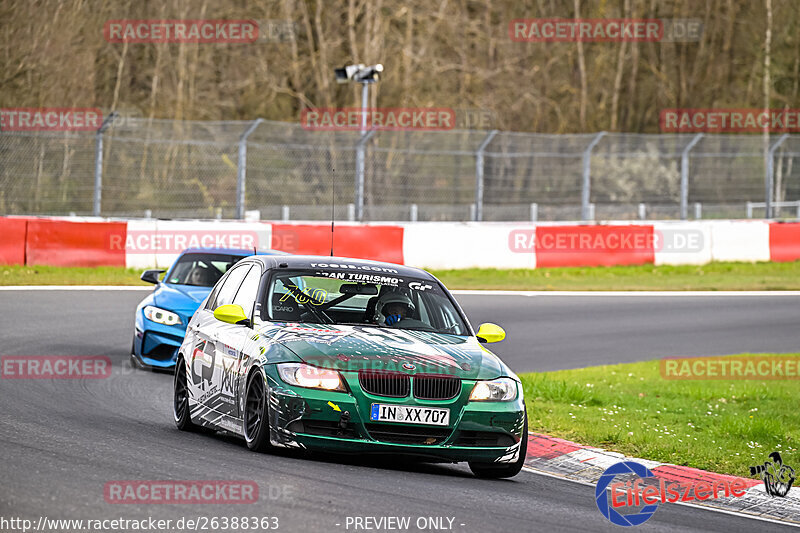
<point x="409" y="414"/>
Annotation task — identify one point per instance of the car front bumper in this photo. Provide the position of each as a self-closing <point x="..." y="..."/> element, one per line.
<point x="156" y="345"/>
<point x="339" y="422"/>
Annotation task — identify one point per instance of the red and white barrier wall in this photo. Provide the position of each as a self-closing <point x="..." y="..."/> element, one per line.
<point x="438" y="245"/>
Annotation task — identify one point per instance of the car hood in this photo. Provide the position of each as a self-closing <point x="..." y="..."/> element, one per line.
<point x="182" y="298"/>
<point x="353" y="348"/>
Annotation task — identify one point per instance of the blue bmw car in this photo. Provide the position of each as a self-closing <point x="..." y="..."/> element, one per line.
<point x="161" y="318"/>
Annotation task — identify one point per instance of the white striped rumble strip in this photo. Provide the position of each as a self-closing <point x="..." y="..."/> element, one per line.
<point x="560" y="458"/>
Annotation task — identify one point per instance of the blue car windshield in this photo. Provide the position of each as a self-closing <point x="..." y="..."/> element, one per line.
<point x="200" y="269"/>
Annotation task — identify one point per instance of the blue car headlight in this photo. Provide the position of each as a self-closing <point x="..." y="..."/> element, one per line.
<point x="162" y="316"/>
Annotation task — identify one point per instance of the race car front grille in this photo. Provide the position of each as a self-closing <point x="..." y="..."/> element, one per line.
<point x="436" y="387"/>
<point x="484" y="439"/>
<point x="390" y="384"/>
<point x="325" y="428"/>
<point x="406" y="434"/>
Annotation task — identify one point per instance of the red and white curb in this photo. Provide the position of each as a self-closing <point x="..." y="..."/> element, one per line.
<point x="585" y="464"/>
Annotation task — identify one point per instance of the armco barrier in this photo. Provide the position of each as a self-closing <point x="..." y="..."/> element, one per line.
<point x="784" y="242"/>
<point x="438" y="245"/>
<point x="558" y="246"/>
<point x="364" y="241"/>
<point x="696" y="239"/>
<point x="63" y="243"/>
<point x="739" y="240"/>
<point x="152" y="243"/>
<point x="12" y="241"/>
<point x="464" y="245"/>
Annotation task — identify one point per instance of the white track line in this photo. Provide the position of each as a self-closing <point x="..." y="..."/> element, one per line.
<point x="456" y="292"/>
<point x="75" y="288"/>
<point x="527" y="468"/>
<point x="624" y="293"/>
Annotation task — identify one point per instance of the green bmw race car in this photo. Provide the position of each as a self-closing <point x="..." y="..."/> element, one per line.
<point x="350" y="356"/>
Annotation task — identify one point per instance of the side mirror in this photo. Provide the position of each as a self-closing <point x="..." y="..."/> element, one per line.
<point x="489" y="332"/>
<point x="151" y="276"/>
<point x="232" y="314"/>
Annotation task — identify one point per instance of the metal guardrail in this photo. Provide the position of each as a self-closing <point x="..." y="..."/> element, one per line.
<point x="184" y="169"/>
<point x="750" y="206"/>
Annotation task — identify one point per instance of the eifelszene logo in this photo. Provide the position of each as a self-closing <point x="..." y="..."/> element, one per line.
<point x="641" y="492"/>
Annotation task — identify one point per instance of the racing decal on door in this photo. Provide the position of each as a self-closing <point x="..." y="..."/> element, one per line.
<point x="202" y="364"/>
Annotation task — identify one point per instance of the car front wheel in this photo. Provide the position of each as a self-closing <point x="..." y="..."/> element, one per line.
<point x="180" y="403"/>
<point x="256" y="414"/>
<point x="504" y="470"/>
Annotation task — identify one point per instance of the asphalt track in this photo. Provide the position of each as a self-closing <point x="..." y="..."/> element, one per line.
<point x="62" y="440"/>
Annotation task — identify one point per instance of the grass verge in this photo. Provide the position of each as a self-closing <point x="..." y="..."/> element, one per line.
<point x="714" y="277"/>
<point x="49" y="275"/>
<point x="721" y="426"/>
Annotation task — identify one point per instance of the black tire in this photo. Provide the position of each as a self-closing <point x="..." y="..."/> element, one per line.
<point x="256" y="413"/>
<point x="498" y="471"/>
<point x="180" y="401"/>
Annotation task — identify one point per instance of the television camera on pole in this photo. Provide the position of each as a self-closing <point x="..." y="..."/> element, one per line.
<point x="365" y="75"/>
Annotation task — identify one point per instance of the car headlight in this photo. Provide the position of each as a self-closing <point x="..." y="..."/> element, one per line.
<point x="310" y="377"/>
<point x="161" y="316"/>
<point x="497" y="390"/>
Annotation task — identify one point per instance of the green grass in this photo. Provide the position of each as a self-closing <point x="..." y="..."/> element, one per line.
<point x="49" y="275"/>
<point x="721" y="426"/>
<point x="713" y="276"/>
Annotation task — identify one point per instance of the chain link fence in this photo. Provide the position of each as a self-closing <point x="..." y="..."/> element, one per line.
<point x="184" y="169"/>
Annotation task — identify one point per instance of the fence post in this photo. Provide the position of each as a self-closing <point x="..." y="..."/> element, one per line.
<point x="414" y="213"/>
<point x="642" y="211"/>
<point x="698" y="210"/>
<point x="685" y="176"/>
<point x="534" y="212"/>
<point x="359" y="205"/>
<point x="241" y="168"/>
<point x="586" y="190"/>
<point x="98" y="163"/>
<point x="477" y="214"/>
<point x="768" y="178"/>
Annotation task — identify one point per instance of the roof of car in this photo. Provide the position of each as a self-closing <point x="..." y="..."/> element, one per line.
<point x="231" y="251"/>
<point x="342" y="263"/>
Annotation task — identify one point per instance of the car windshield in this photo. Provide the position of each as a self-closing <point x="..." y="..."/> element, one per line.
<point x="382" y="300"/>
<point x="200" y="269"/>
